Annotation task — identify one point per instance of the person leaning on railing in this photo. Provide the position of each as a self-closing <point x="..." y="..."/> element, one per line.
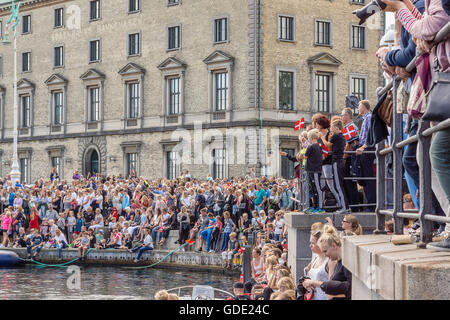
<point x="424" y="29"/>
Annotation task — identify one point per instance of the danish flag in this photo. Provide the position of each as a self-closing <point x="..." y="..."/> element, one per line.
<point x="324" y="150"/>
<point x="349" y="132"/>
<point x="300" y="124"/>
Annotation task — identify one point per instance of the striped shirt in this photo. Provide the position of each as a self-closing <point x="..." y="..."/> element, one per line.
<point x="364" y="128"/>
<point x="408" y="18"/>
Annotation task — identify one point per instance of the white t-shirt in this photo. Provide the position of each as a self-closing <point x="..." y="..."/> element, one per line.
<point x="279" y="226"/>
<point x="60" y="238"/>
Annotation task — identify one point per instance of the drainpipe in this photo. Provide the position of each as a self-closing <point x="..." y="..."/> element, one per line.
<point x="261" y="154"/>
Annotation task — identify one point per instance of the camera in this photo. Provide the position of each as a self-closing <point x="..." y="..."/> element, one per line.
<point x="369" y="10"/>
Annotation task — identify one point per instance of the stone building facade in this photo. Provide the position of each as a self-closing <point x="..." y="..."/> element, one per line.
<point x="160" y="86"/>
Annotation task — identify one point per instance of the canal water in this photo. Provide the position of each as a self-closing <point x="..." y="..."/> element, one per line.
<point x="100" y="283"/>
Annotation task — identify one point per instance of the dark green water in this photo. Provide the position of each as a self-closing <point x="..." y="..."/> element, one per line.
<point x="100" y="283"/>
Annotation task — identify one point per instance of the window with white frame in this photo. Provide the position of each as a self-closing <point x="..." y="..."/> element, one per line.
<point x="286" y="28"/>
<point x="358" y="87"/>
<point x="57" y="98"/>
<point x="323" y="92"/>
<point x="221" y="90"/>
<point x="323" y="33"/>
<point x="134" y="6"/>
<point x="172" y="2"/>
<point x="173" y="164"/>
<point x="26" y="61"/>
<point x="219" y="163"/>
<point x="94" y="104"/>
<point x="173" y="37"/>
<point x="174" y="95"/>
<point x="25" y="108"/>
<point x="359" y="1"/>
<point x="94" y="10"/>
<point x="24" y="169"/>
<point x="26" y="24"/>
<point x="58" y="56"/>
<point x="133" y="99"/>
<point x="58" y="20"/>
<point x="220" y="30"/>
<point x="94" y="50"/>
<point x="134" y="46"/>
<point x="358" y="37"/>
<point x="131" y="165"/>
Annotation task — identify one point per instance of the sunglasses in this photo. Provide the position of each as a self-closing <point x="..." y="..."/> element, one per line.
<point x="345" y="221"/>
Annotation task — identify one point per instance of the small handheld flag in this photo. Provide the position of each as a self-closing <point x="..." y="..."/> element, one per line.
<point x="324" y="150"/>
<point x="300" y="124"/>
<point x="349" y="132"/>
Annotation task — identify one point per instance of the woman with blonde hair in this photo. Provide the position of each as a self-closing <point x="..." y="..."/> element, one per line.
<point x="271" y="263"/>
<point x="162" y="295"/>
<point x="285" y="283"/>
<point x="316" y="269"/>
<point x="340" y="284"/>
<point x="351" y="226"/>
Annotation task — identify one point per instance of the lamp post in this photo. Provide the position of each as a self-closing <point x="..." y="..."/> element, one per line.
<point x="15" y="172"/>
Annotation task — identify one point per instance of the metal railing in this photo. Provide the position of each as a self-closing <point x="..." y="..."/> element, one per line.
<point x="423" y="138"/>
<point x="303" y="200"/>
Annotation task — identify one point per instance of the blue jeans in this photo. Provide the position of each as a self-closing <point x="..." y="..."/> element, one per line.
<point x="141" y="251"/>
<point x="206" y="234"/>
<point x="60" y="246"/>
<point x="37" y="249"/>
<point x="154" y="230"/>
<point x="412" y="168"/>
<point x="440" y="161"/>
<point x="277" y="237"/>
<point x="226" y="237"/>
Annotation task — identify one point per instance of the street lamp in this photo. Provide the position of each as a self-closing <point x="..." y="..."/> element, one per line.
<point x="15" y="172"/>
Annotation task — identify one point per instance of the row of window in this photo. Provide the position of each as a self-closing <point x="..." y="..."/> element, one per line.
<point x="286" y="93"/>
<point x="95" y="13"/>
<point x="323" y="32"/>
<point x="133" y="45"/>
<point x="323" y="87"/>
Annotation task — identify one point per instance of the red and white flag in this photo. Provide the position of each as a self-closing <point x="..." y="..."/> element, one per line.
<point x="349" y="132"/>
<point x="324" y="150"/>
<point x="300" y="124"/>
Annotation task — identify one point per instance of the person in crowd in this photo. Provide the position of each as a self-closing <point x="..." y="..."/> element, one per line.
<point x="339" y="287"/>
<point x="314" y="157"/>
<point x="322" y="124"/>
<point x="146" y="245"/>
<point x="316" y="269"/>
<point x="59" y="242"/>
<point x="350" y="186"/>
<point x="84" y="245"/>
<point x="366" y="156"/>
<point x="338" y="143"/>
<point x="424" y="29"/>
<point x="34" y="242"/>
<point x="231" y="252"/>
<point x="238" y="290"/>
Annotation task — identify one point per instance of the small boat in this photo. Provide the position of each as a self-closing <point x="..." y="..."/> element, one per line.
<point x="200" y="293"/>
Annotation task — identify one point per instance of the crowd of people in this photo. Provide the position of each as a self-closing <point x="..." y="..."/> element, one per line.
<point x="417" y="22"/>
<point x="137" y="214"/>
